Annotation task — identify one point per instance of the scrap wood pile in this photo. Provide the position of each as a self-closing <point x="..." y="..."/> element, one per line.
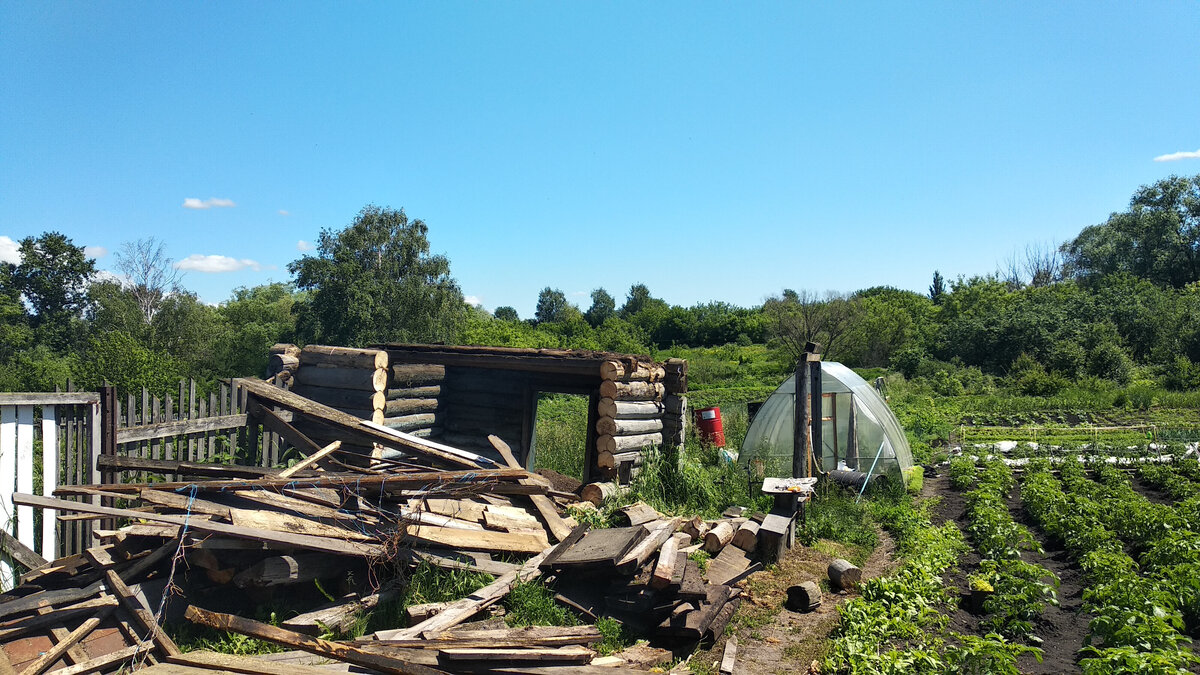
<point x="167" y="549"/>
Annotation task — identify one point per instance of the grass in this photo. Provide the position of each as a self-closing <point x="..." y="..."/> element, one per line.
<point x="531" y="603"/>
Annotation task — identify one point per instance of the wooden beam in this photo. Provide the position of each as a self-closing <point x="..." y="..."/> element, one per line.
<point x="140" y="613"/>
<point x="20" y="552"/>
<point x="310" y="460"/>
<point x="73" y="638"/>
<point x="180" y="428"/>
<point x="50" y="398"/>
<point x="559" y="527"/>
<point x="312" y="645"/>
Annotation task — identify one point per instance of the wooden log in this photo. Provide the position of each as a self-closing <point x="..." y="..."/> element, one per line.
<point x="631" y="391"/>
<point x="717" y="538"/>
<point x="406" y="375"/>
<point x="630" y="410"/>
<point x="354" y="399"/>
<point x="664" y="571"/>
<point x="284" y="348"/>
<point x="659" y="533"/>
<point x="625" y="372"/>
<point x="695" y="528"/>
<point x="313" y="645"/>
<point x="746" y="537"/>
<point x="409" y="406"/>
<point x="431" y="391"/>
<point x="283" y="570"/>
<point x="638" y="514"/>
<point x="344" y="357"/>
<point x="616" y="444"/>
<point x="596" y="493"/>
<point x="621" y="427"/>
<point x="375" y="416"/>
<point x="608" y="460"/>
<point x="844" y="574"/>
<point x="410" y="422"/>
<point x="804" y="597"/>
<point x="342" y="378"/>
<point x="280" y="362"/>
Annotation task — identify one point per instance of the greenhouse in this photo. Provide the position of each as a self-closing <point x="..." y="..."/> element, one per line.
<point x="858" y="430"/>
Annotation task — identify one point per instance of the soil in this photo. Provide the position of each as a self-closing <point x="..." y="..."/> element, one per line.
<point x="560" y="482"/>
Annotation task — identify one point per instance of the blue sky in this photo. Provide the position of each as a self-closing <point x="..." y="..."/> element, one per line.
<point x="713" y="151"/>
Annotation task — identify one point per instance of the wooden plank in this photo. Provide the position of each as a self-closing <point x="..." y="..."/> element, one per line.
<point x="50" y="458"/>
<point x="183" y="502"/>
<point x="49" y="398"/>
<point x="313" y="645"/>
<point x="479" y="540"/>
<point x="20" y="552"/>
<point x="664" y="571"/>
<point x="140" y="613"/>
<point x="63" y="645"/>
<point x="283" y="538"/>
<point x="467" y="479"/>
<point x="729" y="656"/>
<point x="244" y="664"/>
<point x="460" y="610"/>
<point x="525" y="636"/>
<point x="311" y="460"/>
<point x="8" y="472"/>
<point x="641" y="552"/>
<point x="180" y="428"/>
<point x="572" y="654"/>
<point x="25" y="473"/>
<point x="16" y="627"/>
<point x="559" y="526"/>
<point x="731" y="562"/>
<point x="600" y="548"/>
<point x="171" y="466"/>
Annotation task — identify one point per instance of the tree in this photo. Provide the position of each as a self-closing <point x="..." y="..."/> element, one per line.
<point x="603" y="306"/>
<point x="551" y="306"/>
<point x="52" y="277"/>
<point x="150" y="272"/>
<point x="937" y="289"/>
<point x="375" y="281"/>
<point x="636" y="301"/>
<point x="506" y="313"/>
<point x="1158" y="238"/>
<point x="254" y="319"/>
<point x="795" y="319"/>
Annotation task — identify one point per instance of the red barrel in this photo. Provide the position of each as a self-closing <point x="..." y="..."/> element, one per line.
<point x="708" y="424"/>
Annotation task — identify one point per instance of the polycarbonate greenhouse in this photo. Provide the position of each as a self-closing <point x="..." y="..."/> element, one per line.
<point x="859" y="431"/>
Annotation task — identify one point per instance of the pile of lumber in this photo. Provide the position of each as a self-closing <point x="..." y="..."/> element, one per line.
<point x="192" y="549"/>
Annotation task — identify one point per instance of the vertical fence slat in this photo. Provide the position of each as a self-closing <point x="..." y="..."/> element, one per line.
<point x="144" y="446"/>
<point x="202" y="445"/>
<point x="25" y="473"/>
<point x="70" y="529"/>
<point x="156" y="446"/>
<point x="93" y="472"/>
<point x="8" y="469"/>
<point x="49" y="480"/>
<point x="211" y="437"/>
<point x="192" y="452"/>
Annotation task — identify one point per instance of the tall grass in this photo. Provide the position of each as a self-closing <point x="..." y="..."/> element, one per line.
<point x="561" y="433"/>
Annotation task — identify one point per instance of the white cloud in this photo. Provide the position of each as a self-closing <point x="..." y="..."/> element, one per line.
<point x="216" y="263"/>
<point x="10" y="251"/>
<point x="95" y="251"/>
<point x="473" y="300"/>
<point x="284" y="212"/>
<point x="303" y="246"/>
<point x="1176" y="156"/>
<point x="211" y="202"/>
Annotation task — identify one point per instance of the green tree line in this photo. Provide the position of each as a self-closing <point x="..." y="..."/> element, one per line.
<point x="1120" y="301"/>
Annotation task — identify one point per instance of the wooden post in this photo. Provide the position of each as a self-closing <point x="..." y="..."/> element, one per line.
<point x="590" y="454"/>
<point x="852" y="436"/>
<point x="802" y="426"/>
<point x="818" y="414"/>
<point x="108" y="441"/>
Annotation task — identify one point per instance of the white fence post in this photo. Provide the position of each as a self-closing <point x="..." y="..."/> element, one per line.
<point x="8" y="471"/>
<point x="50" y="459"/>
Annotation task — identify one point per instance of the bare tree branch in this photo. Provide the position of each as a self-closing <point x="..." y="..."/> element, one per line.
<point x="151" y="276"/>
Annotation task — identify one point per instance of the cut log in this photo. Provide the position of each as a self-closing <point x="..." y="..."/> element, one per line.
<point x="630" y="391"/>
<point x="717" y="538"/>
<point x="431" y="391"/>
<point x="695" y="528"/>
<point x="843" y="574"/>
<point x="280" y="362"/>
<point x="659" y="533"/>
<point x="284" y="348"/>
<point x="621" y="427"/>
<point x="410" y="422"/>
<point x="664" y="571"/>
<point x="617" y="444"/>
<point x="608" y="460"/>
<point x="345" y="357"/>
<point x="406" y="375"/>
<point x="409" y="406"/>
<point x="342" y="378"/>
<point x="596" y="493"/>
<point x="351" y="399"/>
<point x="746" y="537"/>
<point x="639" y="513"/>
<point x="629" y="410"/>
<point x="625" y="372"/>
<point x="804" y="597"/>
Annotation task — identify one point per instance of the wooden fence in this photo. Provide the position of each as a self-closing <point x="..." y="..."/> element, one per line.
<point x="79" y="438"/>
<point x="46" y="439"/>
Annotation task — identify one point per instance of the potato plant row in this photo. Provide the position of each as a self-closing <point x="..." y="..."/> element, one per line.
<point x="1020" y="590"/>
<point x="898" y="624"/>
<point x="1139" y="615"/>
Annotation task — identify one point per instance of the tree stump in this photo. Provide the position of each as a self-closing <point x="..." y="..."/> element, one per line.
<point x="843" y="574"/>
<point x="804" y="597"/>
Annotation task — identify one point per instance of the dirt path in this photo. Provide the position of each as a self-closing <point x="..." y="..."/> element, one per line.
<point x="773" y="639"/>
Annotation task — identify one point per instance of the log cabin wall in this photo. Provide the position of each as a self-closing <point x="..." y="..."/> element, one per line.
<point x="460" y="395"/>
